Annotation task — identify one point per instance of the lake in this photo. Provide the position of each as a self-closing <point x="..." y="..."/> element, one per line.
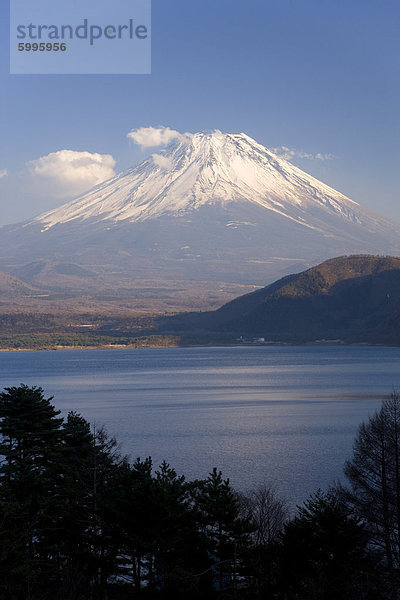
<point x="281" y="414"/>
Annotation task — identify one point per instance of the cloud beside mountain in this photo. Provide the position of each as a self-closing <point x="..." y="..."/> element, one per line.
<point x="67" y="173"/>
<point x="151" y="137"/>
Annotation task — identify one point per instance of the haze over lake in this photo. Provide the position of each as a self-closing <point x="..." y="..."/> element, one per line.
<point x="282" y="414"/>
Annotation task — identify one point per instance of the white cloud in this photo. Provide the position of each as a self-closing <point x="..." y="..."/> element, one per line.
<point x="69" y="173"/>
<point x="290" y="153"/>
<point x="150" y="137"/>
<point x="3" y="173"/>
<point x="164" y="162"/>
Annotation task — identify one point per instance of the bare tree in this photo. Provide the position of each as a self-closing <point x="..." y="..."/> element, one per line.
<point x="267" y="511"/>
<point x="374" y="477"/>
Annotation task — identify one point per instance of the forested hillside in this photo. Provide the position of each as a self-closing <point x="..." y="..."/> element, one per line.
<point x="351" y="298"/>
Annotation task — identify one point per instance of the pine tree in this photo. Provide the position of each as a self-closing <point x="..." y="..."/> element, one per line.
<point x="177" y="548"/>
<point x="30" y="445"/>
<point x="76" y="515"/>
<point x="324" y="554"/>
<point x="107" y="462"/>
<point x="224" y="530"/>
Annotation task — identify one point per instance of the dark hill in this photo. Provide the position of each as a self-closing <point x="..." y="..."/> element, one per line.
<point x="352" y="298"/>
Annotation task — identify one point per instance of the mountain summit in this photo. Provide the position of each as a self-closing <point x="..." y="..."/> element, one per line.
<point x="213" y="208"/>
<point x="211" y="170"/>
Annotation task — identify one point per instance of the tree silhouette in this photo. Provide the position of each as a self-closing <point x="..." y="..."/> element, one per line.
<point x="224" y="529"/>
<point x="324" y="553"/>
<point x="30" y="444"/>
<point x="374" y="476"/>
<point x="78" y="521"/>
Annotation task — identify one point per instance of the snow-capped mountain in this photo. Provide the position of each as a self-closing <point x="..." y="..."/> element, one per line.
<point x="211" y="207"/>
<point x="213" y="169"/>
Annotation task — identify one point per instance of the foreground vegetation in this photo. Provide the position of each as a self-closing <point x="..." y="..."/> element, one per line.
<point x="78" y="521"/>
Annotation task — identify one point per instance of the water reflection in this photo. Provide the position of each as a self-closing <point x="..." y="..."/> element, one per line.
<point x="287" y="414"/>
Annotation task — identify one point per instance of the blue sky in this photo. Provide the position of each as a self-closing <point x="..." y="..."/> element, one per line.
<point x="315" y="76"/>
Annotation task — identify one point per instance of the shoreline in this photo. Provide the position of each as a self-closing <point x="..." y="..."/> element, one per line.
<point x="211" y="345"/>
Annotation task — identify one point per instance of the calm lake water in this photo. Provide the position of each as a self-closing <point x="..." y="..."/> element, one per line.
<point x="286" y="415"/>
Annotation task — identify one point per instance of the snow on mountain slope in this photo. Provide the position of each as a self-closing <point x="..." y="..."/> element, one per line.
<point x="206" y="170"/>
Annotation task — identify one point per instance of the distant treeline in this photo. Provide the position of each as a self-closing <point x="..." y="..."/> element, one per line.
<point x="36" y="322"/>
<point x="26" y="331"/>
<point x="35" y="331"/>
<point x="78" y="521"/>
<point x="80" y="340"/>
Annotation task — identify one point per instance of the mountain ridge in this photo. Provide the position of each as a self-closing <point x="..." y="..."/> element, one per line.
<point x="352" y="298"/>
